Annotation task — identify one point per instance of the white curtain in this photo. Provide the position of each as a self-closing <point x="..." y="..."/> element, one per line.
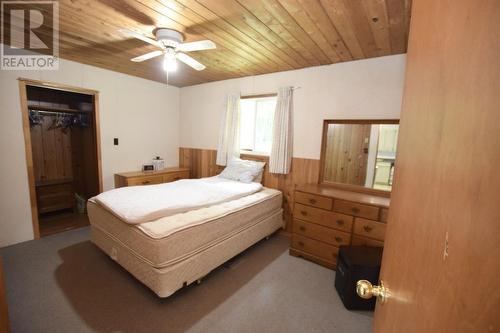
<point x="229" y="134"/>
<point x="280" y="160"/>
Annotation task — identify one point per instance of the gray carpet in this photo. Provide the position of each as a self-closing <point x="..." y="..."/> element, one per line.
<point x="63" y="283"/>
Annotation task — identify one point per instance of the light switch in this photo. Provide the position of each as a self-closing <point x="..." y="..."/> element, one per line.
<point x="115" y="141"/>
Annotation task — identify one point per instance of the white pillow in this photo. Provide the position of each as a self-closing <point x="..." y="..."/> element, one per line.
<point x="243" y="170"/>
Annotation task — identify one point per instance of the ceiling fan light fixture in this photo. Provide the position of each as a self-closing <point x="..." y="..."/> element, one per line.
<point x="169" y="62"/>
<point x="173" y="48"/>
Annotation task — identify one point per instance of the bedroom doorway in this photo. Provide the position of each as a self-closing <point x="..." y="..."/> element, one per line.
<point x="62" y="143"/>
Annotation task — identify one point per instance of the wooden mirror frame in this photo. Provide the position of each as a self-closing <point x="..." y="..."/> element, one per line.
<point x="344" y="186"/>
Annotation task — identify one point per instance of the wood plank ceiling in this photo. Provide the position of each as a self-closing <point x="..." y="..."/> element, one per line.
<point x="252" y="36"/>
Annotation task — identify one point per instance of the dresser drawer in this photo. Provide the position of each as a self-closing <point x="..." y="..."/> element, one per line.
<point x="55" y="203"/>
<point x="323" y="217"/>
<point x="313" y="200"/>
<point x="356" y="209"/>
<point x="316" y="248"/>
<point x="327" y="235"/>
<point x="55" y="197"/>
<point x="384" y="214"/>
<point x="148" y="180"/>
<point x="47" y="190"/>
<point x="369" y="228"/>
<point x="172" y="177"/>
<point x="363" y="241"/>
<point x="150" y="177"/>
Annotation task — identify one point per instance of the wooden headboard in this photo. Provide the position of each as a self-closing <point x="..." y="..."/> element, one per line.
<point x="258" y="158"/>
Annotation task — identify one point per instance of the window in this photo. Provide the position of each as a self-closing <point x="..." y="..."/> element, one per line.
<point x="256" y="124"/>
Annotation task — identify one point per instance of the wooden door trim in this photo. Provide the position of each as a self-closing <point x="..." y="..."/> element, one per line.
<point x="348" y="187"/>
<point x="97" y="130"/>
<point x="4" y="313"/>
<point x="58" y="86"/>
<point x="29" y="158"/>
<point x="23" y="85"/>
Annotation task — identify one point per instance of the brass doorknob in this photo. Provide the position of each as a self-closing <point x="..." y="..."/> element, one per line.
<point x="366" y="290"/>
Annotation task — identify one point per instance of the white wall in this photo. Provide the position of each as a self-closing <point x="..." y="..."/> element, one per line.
<point x="369" y="88"/>
<point x="143" y="114"/>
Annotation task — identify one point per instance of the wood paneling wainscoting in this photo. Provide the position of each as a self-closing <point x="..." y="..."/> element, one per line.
<point x="201" y="162"/>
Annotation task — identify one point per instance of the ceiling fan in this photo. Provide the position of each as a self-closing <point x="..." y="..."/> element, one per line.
<point x="172" y="47"/>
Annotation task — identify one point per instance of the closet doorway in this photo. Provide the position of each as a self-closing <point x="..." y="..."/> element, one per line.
<point x="61" y="132"/>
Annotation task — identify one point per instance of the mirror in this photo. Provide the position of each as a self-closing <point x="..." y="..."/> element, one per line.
<point x="359" y="152"/>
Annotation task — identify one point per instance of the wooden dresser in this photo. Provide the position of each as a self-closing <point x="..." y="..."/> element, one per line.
<point x="150" y="177"/>
<point x="325" y="217"/>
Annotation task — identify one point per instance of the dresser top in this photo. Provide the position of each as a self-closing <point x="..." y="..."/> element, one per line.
<point x="150" y="173"/>
<point x="332" y="192"/>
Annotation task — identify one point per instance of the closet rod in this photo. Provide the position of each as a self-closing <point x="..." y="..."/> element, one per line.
<point x="55" y="111"/>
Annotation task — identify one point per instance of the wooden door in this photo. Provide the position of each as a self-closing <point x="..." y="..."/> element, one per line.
<point x="4" y="316"/>
<point x="346" y="155"/>
<point x="441" y="260"/>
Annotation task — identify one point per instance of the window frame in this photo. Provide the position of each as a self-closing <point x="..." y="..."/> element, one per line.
<point x="256" y="97"/>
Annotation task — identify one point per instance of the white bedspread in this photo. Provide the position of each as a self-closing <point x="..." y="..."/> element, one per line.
<point x="139" y="204"/>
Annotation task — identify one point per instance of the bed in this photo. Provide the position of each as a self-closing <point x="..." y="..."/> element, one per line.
<point x="171" y="245"/>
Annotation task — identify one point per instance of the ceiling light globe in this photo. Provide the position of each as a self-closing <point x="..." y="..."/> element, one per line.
<point x="170" y="63"/>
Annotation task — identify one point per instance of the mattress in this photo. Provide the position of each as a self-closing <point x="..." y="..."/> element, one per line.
<point x="173" y="239"/>
<point x="165" y="281"/>
<point x="140" y="204"/>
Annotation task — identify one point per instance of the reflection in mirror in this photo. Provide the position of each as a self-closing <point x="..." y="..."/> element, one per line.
<point x="361" y="153"/>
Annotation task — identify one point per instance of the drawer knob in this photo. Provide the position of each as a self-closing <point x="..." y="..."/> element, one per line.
<point x="340" y="222"/>
<point x="146" y="182"/>
<point x="303" y="212"/>
<point x="301" y="243"/>
<point x="367" y="228"/>
<point x="312" y="201"/>
<point x="355" y="210"/>
<point x="302" y="228"/>
<point x="338" y="239"/>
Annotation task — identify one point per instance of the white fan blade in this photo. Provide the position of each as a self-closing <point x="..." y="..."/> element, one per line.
<point x="190" y="61"/>
<point x="147" y="56"/>
<point x="141" y="37"/>
<point x="197" y="46"/>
